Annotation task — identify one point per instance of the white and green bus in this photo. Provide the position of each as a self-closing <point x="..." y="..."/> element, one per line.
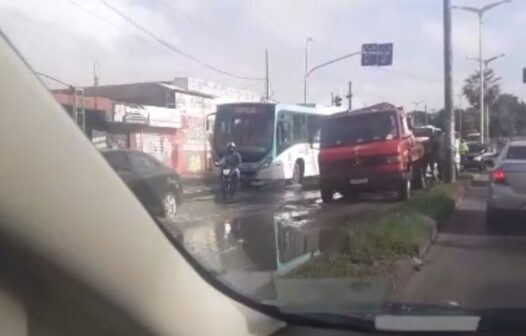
<point x="276" y="141"/>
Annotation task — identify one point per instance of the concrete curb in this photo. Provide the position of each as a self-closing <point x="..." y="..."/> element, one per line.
<point x="403" y="269"/>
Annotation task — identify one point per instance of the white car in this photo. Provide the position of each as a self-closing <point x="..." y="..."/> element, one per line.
<point x="507" y="186"/>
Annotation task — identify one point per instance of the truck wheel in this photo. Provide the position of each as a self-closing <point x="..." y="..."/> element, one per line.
<point x="404" y="191"/>
<point x="327" y="195"/>
<point x="419" y="178"/>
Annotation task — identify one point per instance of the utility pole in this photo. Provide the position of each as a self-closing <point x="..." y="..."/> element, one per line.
<point x="425" y="111"/>
<point x="481" y="83"/>
<point x="96" y="68"/>
<point x="79" y="111"/>
<point x="448" y="96"/>
<point x="267" y="79"/>
<point x="349" y="95"/>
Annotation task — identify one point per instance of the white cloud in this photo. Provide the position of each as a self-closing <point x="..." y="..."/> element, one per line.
<point x="59" y="38"/>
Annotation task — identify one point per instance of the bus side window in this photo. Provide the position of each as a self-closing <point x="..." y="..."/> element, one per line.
<point x="299" y="128"/>
<point x="283" y="130"/>
<point x="314" y="128"/>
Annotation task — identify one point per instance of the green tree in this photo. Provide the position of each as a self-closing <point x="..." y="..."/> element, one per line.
<point x="419" y="117"/>
<point x="469" y="118"/>
<point x="508" y="116"/>
<point x="471" y="89"/>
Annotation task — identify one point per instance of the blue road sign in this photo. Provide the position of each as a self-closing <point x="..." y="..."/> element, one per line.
<point x="377" y="54"/>
<point x="385" y="54"/>
<point x="369" y="54"/>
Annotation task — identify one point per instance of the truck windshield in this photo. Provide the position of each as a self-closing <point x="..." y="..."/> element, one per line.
<point x="359" y="129"/>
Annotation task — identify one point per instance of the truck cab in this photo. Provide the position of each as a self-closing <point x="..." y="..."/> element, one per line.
<point x="371" y="149"/>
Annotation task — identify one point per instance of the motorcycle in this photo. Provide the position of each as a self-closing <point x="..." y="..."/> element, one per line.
<point x="228" y="183"/>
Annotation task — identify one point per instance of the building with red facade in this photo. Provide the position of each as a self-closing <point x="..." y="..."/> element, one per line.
<point x="172" y="120"/>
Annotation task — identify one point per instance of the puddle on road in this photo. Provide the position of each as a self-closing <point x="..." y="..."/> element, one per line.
<point x="252" y="242"/>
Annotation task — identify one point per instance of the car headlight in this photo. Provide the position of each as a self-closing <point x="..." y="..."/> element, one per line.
<point x="477" y="158"/>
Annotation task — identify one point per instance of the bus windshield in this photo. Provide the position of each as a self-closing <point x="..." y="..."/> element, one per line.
<point x="358" y="129"/>
<point x="250" y="127"/>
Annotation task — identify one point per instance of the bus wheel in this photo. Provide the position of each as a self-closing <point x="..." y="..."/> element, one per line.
<point x="326" y="195"/>
<point x="297" y="173"/>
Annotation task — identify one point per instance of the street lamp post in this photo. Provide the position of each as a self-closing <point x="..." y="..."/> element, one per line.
<point x="480" y="12"/>
<point x="485" y="121"/>
<point x="307" y="44"/>
<point x="322" y="65"/>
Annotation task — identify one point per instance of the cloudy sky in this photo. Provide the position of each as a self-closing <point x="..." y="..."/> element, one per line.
<point x="64" y="38"/>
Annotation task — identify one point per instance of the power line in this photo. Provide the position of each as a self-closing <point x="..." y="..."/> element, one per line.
<point x="106" y="21"/>
<point x="95" y="15"/>
<point x="196" y="23"/>
<point x="181" y="13"/>
<point x="53" y="79"/>
<point x="172" y="47"/>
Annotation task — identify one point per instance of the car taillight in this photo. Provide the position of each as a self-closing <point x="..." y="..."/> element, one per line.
<point x="499" y="176"/>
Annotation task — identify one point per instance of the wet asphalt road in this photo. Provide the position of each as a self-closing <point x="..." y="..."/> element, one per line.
<point x="470" y="265"/>
<point x="263" y="231"/>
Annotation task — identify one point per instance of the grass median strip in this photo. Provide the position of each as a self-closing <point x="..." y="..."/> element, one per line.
<point x="367" y="246"/>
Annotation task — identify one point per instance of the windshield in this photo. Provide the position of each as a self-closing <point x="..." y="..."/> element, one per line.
<point x="333" y="201"/>
<point x="359" y="129"/>
<point x="251" y="128"/>
<point x="423" y="132"/>
<point x="517" y="153"/>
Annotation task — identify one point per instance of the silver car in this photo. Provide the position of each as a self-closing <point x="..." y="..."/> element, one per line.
<point x="507" y="186"/>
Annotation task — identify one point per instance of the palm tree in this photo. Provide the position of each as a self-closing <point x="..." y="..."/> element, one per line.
<point x="471" y="89"/>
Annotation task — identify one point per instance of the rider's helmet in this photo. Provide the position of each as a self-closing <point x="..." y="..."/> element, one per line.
<point x="231" y="147"/>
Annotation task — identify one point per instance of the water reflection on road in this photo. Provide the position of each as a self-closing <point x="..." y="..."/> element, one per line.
<point x="262" y="234"/>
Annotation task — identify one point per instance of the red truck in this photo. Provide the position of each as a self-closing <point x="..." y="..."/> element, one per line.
<point x="371" y="149"/>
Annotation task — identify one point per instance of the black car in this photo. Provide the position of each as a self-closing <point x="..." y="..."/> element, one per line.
<point x="478" y="156"/>
<point x="157" y="186"/>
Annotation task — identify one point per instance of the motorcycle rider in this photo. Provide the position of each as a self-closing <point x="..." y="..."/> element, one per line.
<point x="232" y="160"/>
